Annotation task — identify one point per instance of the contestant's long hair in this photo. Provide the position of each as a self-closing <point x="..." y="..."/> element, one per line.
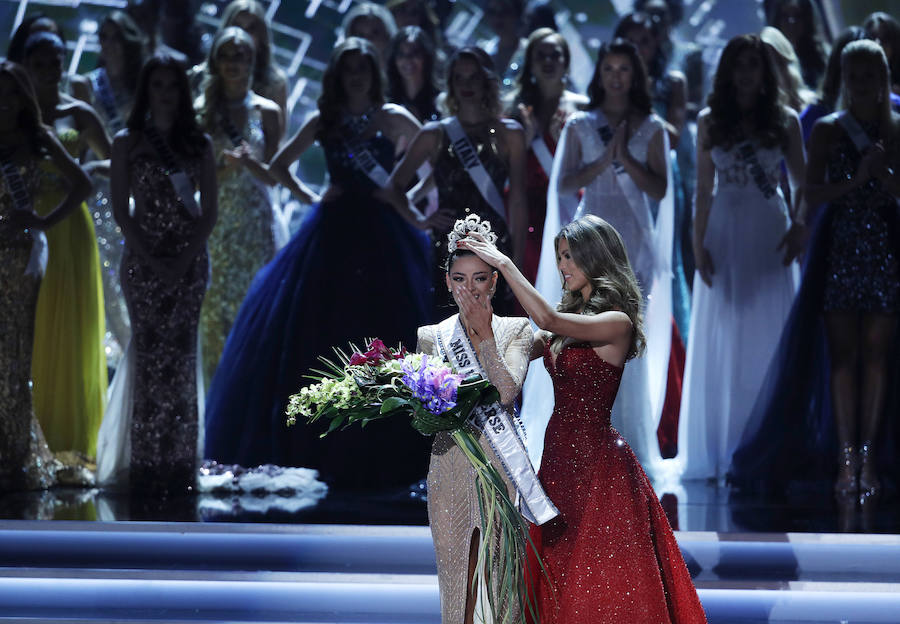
<point x="264" y="70"/>
<point x="787" y="69"/>
<point x="527" y="90"/>
<point x="489" y="80"/>
<point x="134" y="45"/>
<point x="638" y="94"/>
<point x="656" y="67"/>
<point x="29" y="119"/>
<point x="831" y="84"/>
<point x="869" y="52"/>
<point x="424" y="100"/>
<point x="886" y="29"/>
<point x="212" y="84"/>
<point x="768" y="116"/>
<point x="186" y="138"/>
<point x="331" y="101"/>
<point x="598" y="250"/>
<point x="811" y="49"/>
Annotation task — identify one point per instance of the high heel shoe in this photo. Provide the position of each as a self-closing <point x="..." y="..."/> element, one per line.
<point x="869" y="485"/>
<point x="847" y="483"/>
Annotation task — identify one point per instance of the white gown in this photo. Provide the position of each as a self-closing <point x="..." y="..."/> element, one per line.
<point x="735" y="323"/>
<point x="638" y="406"/>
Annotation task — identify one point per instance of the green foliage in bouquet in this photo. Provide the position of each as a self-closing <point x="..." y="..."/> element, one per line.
<point x="384" y="383"/>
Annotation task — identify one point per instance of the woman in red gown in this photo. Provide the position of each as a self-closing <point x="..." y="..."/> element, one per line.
<point x="610" y="556"/>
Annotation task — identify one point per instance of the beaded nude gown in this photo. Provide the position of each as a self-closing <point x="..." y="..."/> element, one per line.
<point x="242" y="242"/>
<point x="610" y="556"/>
<point x="453" y="511"/>
<point x="164" y="318"/>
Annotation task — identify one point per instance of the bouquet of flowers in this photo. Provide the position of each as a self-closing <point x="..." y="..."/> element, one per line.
<point x="384" y="383"/>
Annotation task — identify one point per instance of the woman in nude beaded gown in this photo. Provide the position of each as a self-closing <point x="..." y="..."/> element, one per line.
<point x="502" y="346"/>
<point x="610" y="556"/>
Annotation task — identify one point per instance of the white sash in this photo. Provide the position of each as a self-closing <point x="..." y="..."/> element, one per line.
<point x="183" y="185"/>
<point x="859" y="137"/>
<point x="542" y="152"/>
<point x="494" y="421"/>
<point x="366" y="162"/>
<point x="468" y="157"/>
<point x="37" y="263"/>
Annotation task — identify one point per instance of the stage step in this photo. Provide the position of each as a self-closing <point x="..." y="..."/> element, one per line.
<point x="144" y="572"/>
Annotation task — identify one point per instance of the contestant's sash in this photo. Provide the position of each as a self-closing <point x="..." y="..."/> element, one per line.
<point x="179" y="179"/>
<point x="543" y="154"/>
<point x="365" y="161"/>
<point x="747" y="153"/>
<point x="234" y="135"/>
<point x="468" y="157"/>
<point x="635" y="197"/>
<point x="37" y="263"/>
<point x="493" y="420"/>
<point x="106" y="98"/>
<point x="860" y="139"/>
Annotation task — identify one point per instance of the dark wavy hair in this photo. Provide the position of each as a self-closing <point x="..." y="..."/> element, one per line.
<point x="15" y="51"/>
<point x="331" y="101"/>
<point x="185" y="137"/>
<point x="598" y="250"/>
<point x="489" y="78"/>
<point x="134" y="42"/>
<point x="889" y="28"/>
<point x="657" y="66"/>
<point x="811" y="50"/>
<point x="638" y="94"/>
<point x="831" y="84"/>
<point x="424" y="101"/>
<point x="30" y="116"/>
<point x="527" y="90"/>
<point x="768" y="116"/>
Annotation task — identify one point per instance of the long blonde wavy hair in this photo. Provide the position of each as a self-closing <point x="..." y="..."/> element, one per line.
<point x="597" y="249"/>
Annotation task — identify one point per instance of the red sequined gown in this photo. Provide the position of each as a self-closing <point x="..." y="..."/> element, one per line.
<point x="610" y="556"/>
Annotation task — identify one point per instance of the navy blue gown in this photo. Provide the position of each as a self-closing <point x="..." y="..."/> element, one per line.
<point x="354" y="270"/>
<point x="852" y="265"/>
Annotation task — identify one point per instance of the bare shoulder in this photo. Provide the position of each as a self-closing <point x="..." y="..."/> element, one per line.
<point x="264" y="105"/>
<point x="616" y="318"/>
<point x="510" y="127"/>
<point x="574" y="100"/>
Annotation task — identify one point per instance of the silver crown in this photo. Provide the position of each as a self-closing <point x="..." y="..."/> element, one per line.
<point x="463" y="227"/>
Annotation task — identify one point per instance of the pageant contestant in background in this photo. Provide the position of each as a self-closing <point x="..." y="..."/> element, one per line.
<point x="412" y="73"/>
<point x="148" y="440"/>
<point x="110" y="89"/>
<point x="501" y="347"/>
<point x="354" y="270"/>
<point x="810" y="422"/>
<point x="542" y="104"/>
<point x="473" y="153"/>
<point x="617" y="152"/>
<point x="610" y="556"/>
<point x="243" y="126"/>
<point x="68" y="365"/>
<point x="744" y="285"/>
<point x="25" y="144"/>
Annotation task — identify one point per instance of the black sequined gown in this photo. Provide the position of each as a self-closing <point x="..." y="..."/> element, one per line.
<point x="164" y="317"/>
<point x="457" y="191"/>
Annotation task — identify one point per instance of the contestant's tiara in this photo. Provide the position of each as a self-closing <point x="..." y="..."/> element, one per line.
<point x="463" y="227"/>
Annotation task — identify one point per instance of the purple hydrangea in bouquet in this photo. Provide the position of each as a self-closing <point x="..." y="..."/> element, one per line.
<point x="388" y="383"/>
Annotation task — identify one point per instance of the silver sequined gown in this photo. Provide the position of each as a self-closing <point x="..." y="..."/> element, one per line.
<point x="25" y="460"/>
<point x="452" y="499"/>
<point x="241" y="243"/>
<point x="164" y="317"/>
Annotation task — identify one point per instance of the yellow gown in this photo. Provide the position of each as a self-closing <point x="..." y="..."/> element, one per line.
<point x="68" y="366"/>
